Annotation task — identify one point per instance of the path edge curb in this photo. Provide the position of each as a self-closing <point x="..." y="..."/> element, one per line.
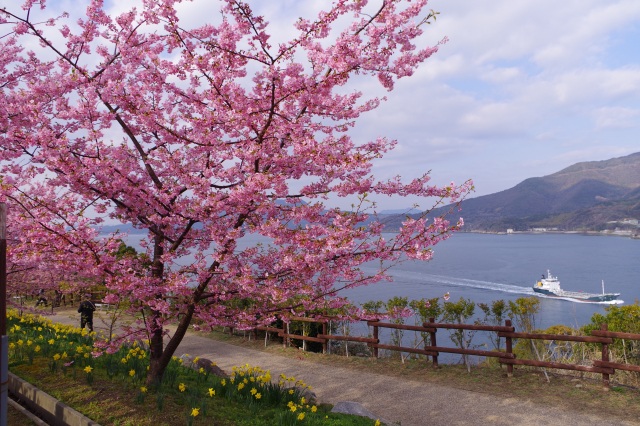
<point x="54" y="412"/>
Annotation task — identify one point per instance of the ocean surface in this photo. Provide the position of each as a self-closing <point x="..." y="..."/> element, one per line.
<point x="488" y="267"/>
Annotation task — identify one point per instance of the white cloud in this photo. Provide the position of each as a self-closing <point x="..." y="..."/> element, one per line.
<point x="440" y="66"/>
<point x="502" y="75"/>
<point x="616" y="117"/>
<point x="521" y="89"/>
<point x="586" y="31"/>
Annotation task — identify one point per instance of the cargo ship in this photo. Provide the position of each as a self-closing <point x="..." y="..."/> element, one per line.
<point x="550" y="286"/>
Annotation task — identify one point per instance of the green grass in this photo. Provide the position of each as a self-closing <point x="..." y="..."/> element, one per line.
<point x="110" y="389"/>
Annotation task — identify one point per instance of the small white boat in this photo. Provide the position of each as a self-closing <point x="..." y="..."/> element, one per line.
<point x="550" y="286"/>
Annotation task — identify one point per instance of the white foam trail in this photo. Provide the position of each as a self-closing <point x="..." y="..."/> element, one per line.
<point x="504" y="288"/>
<point x="485" y="285"/>
<point x="593" y="302"/>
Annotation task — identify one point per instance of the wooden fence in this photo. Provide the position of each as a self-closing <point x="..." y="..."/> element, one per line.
<point x="507" y="357"/>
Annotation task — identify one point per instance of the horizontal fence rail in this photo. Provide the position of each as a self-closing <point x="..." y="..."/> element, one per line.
<point x="602" y="337"/>
<point x="603" y="332"/>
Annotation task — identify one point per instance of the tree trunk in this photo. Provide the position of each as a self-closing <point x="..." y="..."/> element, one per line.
<point x="159" y="358"/>
<point x="161" y="355"/>
<point x="156" y="369"/>
<point x="157" y="365"/>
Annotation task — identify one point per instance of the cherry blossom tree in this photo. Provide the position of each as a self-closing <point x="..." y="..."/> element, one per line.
<point x="34" y="264"/>
<point x="205" y="138"/>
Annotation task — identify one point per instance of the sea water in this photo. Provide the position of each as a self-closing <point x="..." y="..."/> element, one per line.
<point x="488" y="267"/>
<point x="484" y="268"/>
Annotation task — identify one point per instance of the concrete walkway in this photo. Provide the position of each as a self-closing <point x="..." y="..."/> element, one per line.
<point x="400" y="401"/>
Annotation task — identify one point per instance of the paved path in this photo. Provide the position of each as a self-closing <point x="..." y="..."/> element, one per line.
<point x="400" y="401"/>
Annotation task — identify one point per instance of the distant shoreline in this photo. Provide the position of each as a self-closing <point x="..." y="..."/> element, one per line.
<point x="130" y="230"/>
<point x="627" y="234"/>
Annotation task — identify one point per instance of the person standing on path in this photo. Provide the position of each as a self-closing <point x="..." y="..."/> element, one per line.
<point x="42" y="298"/>
<point x="86" y="310"/>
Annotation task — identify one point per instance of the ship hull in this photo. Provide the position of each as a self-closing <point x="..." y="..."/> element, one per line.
<point x="589" y="297"/>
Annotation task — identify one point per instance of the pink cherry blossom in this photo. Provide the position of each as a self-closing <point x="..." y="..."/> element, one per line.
<point x="200" y="138"/>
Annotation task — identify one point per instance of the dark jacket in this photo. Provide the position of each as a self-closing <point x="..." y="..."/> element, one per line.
<point x="86" y="308"/>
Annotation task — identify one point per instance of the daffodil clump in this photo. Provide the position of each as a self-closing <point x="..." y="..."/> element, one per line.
<point x="31" y="337"/>
<point x="255" y="385"/>
<point x="130" y="363"/>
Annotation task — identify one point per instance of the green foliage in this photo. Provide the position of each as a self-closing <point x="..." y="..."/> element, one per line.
<point x="125" y="251"/>
<point x="562" y="330"/>
<point x="426" y="309"/>
<point x="552" y="350"/>
<point x="459" y="312"/>
<point x="494" y="315"/>
<point x="625" y="319"/>
<point x="562" y="351"/>
<point x="523" y="312"/>
<point x="373" y="307"/>
<point x="395" y="306"/>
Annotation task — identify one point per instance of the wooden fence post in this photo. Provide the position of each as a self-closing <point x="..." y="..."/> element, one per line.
<point x="432" y="336"/>
<point x="324" y="344"/>
<point x="509" y="349"/>
<point x="286" y="340"/>
<point x="605" y="355"/>
<point x="375" y="336"/>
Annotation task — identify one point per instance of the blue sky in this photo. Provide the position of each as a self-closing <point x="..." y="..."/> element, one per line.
<point x="521" y="89"/>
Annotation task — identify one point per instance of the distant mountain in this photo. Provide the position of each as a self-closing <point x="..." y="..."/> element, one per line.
<point x="588" y="196"/>
<point x="400" y="212"/>
<point x="585" y="196"/>
<point x="121" y="227"/>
